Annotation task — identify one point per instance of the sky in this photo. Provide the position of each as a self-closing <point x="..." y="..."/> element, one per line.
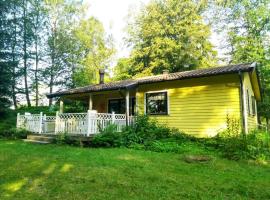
<point x="113" y="14"/>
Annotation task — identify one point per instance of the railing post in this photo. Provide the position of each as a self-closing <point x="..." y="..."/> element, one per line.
<point x="45" y="123"/>
<point x="113" y="117"/>
<point x="56" y="122"/>
<point x="40" y="123"/>
<point x="91" y="122"/>
<point x="18" y="121"/>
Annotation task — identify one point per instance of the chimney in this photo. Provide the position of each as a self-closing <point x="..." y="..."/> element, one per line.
<point x="165" y="71"/>
<point x="101" y="76"/>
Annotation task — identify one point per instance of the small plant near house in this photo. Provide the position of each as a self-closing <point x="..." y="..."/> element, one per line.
<point x="64" y="138"/>
<point x="109" y="137"/>
<point x="145" y="134"/>
<point x="236" y="145"/>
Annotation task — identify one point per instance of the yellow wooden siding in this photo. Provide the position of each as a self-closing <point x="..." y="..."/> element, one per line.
<point x="251" y="119"/>
<point x="197" y="106"/>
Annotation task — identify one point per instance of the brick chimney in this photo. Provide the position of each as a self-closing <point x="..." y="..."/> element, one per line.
<point x="101" y="76"/>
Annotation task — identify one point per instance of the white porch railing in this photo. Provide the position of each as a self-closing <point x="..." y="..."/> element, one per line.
<point x="71" y="123"/>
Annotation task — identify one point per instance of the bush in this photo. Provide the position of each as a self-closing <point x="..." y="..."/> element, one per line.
<point x="255" y="145"/>
<point x="66" y="139"/>
<point x="109" y="137"/>
<point x="14" y="133"/>
<point x="143" y="132"/>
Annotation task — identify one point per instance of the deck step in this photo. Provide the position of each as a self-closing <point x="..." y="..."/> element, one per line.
<point x="42" y="139"/>
<point x="36" y="141"/>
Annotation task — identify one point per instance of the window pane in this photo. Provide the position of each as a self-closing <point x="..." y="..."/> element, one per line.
<point x="156" y="103"/>
<point x="253" y="105"/>
<point x="118" y="106"/>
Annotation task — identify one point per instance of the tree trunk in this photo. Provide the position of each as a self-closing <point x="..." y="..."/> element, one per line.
<point x="25" y="56"/>
<point x="53" y="61"/>
<point x="37" y="59"/>
<point x="13" y="82"/>
<point x="36" y="75"/>
<point x="51" y="72"/>
<point x="51" y="88"/>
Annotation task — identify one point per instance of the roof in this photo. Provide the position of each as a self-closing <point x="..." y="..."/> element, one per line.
<point x="229" y="69"/>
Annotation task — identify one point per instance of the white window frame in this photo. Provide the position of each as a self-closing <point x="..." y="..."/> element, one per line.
<point x="168" y="102"/>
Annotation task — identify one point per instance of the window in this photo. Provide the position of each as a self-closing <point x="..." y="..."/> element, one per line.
<point x="132" y="106"/>
<point x="118" y="106"/>
<point x="248" y="103"/>
<point x="157" y="103"/>
<point x="253" y="101"/>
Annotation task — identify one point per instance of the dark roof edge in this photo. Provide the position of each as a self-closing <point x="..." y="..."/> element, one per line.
<point x="68" y="92"/>
<point x="64" y="93"/>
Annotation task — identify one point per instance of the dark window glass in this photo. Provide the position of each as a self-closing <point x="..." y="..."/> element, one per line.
<point x="253" y="105"/>
<point x="132" y="106"/>
<point x="248" y="103"/>
<point x="118" y="106"/>
<point x="157" y="103"/>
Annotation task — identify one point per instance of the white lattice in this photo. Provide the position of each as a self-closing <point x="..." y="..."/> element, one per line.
<point x="21" y="121"/>
<point x="105" y="119"/>
<point x="72" y="123"/>
<point x="48" y="124"/>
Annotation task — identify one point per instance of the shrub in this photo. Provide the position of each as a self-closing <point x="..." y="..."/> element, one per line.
<point x="143" y="132"/>
<point x="66" y="139"/>
<point x="255" y="145"/>
<point x="14" y="133"/>
<point x="109" y="137"/>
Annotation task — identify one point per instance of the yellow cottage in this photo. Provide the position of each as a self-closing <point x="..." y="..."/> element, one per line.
<point x="197" y="102"/>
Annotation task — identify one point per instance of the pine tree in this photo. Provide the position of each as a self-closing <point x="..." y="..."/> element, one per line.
<point x="5" y="56"/>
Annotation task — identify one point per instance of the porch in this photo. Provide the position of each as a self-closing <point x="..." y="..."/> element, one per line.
<point x="74" y="124"/>
<point x="104" y="108"/>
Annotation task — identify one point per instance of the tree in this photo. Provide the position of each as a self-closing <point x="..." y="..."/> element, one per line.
<point x="246" y="24"/>
<point x="14" y="40"/>
<point x="5" y="56"/>
<point x="62" y="17"/>
<point x="170" y="34"/>
<point x="95" y="49"/>
<point x="38" y="17"/>
<point x="123" y="69"/>
<point x="27" y="37"/>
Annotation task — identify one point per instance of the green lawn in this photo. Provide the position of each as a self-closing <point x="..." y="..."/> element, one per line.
<point x="29" y="171"/>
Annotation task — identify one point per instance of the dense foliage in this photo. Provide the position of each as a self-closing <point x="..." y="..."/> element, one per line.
<point x="149" y="135"/>
<point x="6" y="64"/>
<point x="169" y="34"/>
<point x="13" y="134"/>
<point x="245" y="25"/>
<point x="46" y="44"/>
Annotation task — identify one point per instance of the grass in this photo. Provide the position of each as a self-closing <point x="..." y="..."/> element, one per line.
<point x="29" y="171"/>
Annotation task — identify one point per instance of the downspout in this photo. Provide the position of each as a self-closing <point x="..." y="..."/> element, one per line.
<point x="242" y="103"/>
